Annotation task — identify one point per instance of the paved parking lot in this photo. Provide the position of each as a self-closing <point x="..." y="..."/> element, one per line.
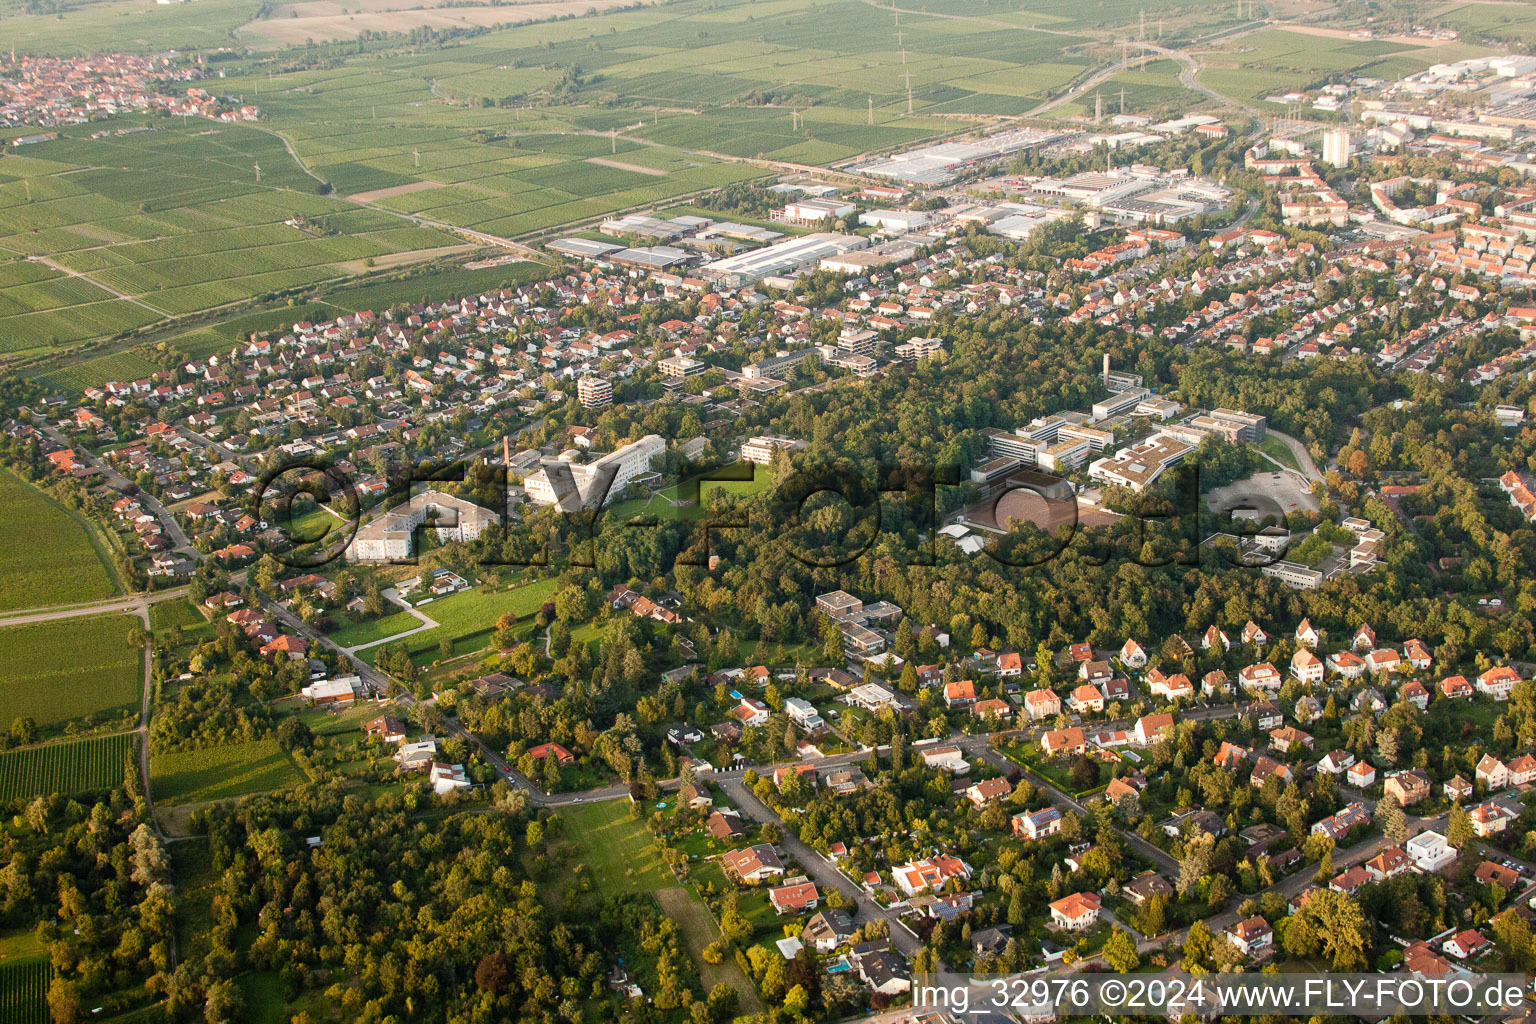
<point x="1270" y="493"/>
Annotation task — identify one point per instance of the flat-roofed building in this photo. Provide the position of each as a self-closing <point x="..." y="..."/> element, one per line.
<point x="1013" y="445"/>
<point x="392" y="534"/>
<point x="787" y="257"/>
<point x="1294" y="574"/>
<point x="1124" y="400"/>
<point x="681" y="366"/>
<point x="583" y="248"/>
<point x="919" y="348"/>
<point x="994" y="470"/>
<point x="651" y="257"/>
<point x="1251" y="426"/>
<point x="589" y="484"/>
<point x="760" y="449"/>
<point x="1097" y="438"/>
<point x="840" y="604"/>
<point x="1139" y="467"/>
<point x="778" y="365"/>
<point x="1067" y="454"/>
<point x="594" y="393"/>
<point x="814" y="211"/>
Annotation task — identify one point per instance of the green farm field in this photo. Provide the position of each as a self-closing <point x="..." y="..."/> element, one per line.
<point x="219" y="773"/>
<point x="1277" y="61"/>
<point x="514" y="132"/>
<point x="179" y="219"/>
<point x="69" y="669"/>
<point x="24" y="991"/>
<point x="47" y="553"/>
<point x="73" y="767"/>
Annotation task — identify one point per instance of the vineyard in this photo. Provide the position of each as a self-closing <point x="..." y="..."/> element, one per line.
<point x="64" y="768"/>
<point x="24" y="992"/>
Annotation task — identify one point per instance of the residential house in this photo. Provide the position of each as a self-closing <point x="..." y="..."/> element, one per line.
<point x="1078" y="911"/>
<point x="1490" y="819"/>
<point x="1086" y="698"/>
<point x="1289" y="738"/>
<point x="1409" y="787"/>
<point x="1497" y="682"/>
<point x="1037" y="824"/>
<point x="1150" y="728"/>
<point x="1132" y="655"/>
<point x="753" y="865"/>
<point x="1455" y="688"/>
<point x="960" y="693"/>
<point x="918" y="876"/>
<point x="1306" y="666"/>
<point x="1361" y="775"/>
<point x="1429" y="851"/>
<point x="1492" y="772"/>
<point x="794" y="899"/>
<point x="1252" y="937"/>
<point x="982" y="793"/>
<point x="1041" y="704"/>
<point x="1336" y="762"/>
<point x="1466" y="945"/>
<point x="1389" y="863"/>
<point x="1056" y="742"/>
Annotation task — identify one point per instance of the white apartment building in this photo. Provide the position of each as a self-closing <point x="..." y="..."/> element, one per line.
<point x="390" y="536"/>
<point x="594" y="393"/>
<point x="585" y="485"/>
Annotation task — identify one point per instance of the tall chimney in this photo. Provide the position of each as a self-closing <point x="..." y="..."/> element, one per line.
<point x="506" y="452"/>
<point x="1106" y="368"/>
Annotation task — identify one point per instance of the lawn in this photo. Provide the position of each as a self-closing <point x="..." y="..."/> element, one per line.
<point x="69" y="669"/>
<point x="618" y="851"/>
<point x="367" y="631"/>
<point x="74" y="767"/>
<point x="47" y="553"/>
<point x="180" y="613"/>
<point x="468" y="619"/>
<point x="218" y="773"/>
<point x="1280" y="452"/>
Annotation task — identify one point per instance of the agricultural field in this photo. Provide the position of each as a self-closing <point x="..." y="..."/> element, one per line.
<point x="514" y="133"/>
<point x="69" y="669"/>
<point x="219" y="773"/>
<point x="1277" y="61"/>
<point x="67" y="768"/>
<point x="47" y="553"/>
<point x="468" y="619"/>
<point x="1153" y="89"/>
<point x="128" y="231"/>
<point x="106" y="25"/>
<point x="94" y="372"/>
<point x="24" y="991"/>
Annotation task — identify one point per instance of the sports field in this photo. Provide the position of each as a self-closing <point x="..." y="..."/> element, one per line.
<point x="219" y="773"/>
<point x="69" y="668"/>
<point x="67" y="768"/>
<point x="47" y="554"/>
